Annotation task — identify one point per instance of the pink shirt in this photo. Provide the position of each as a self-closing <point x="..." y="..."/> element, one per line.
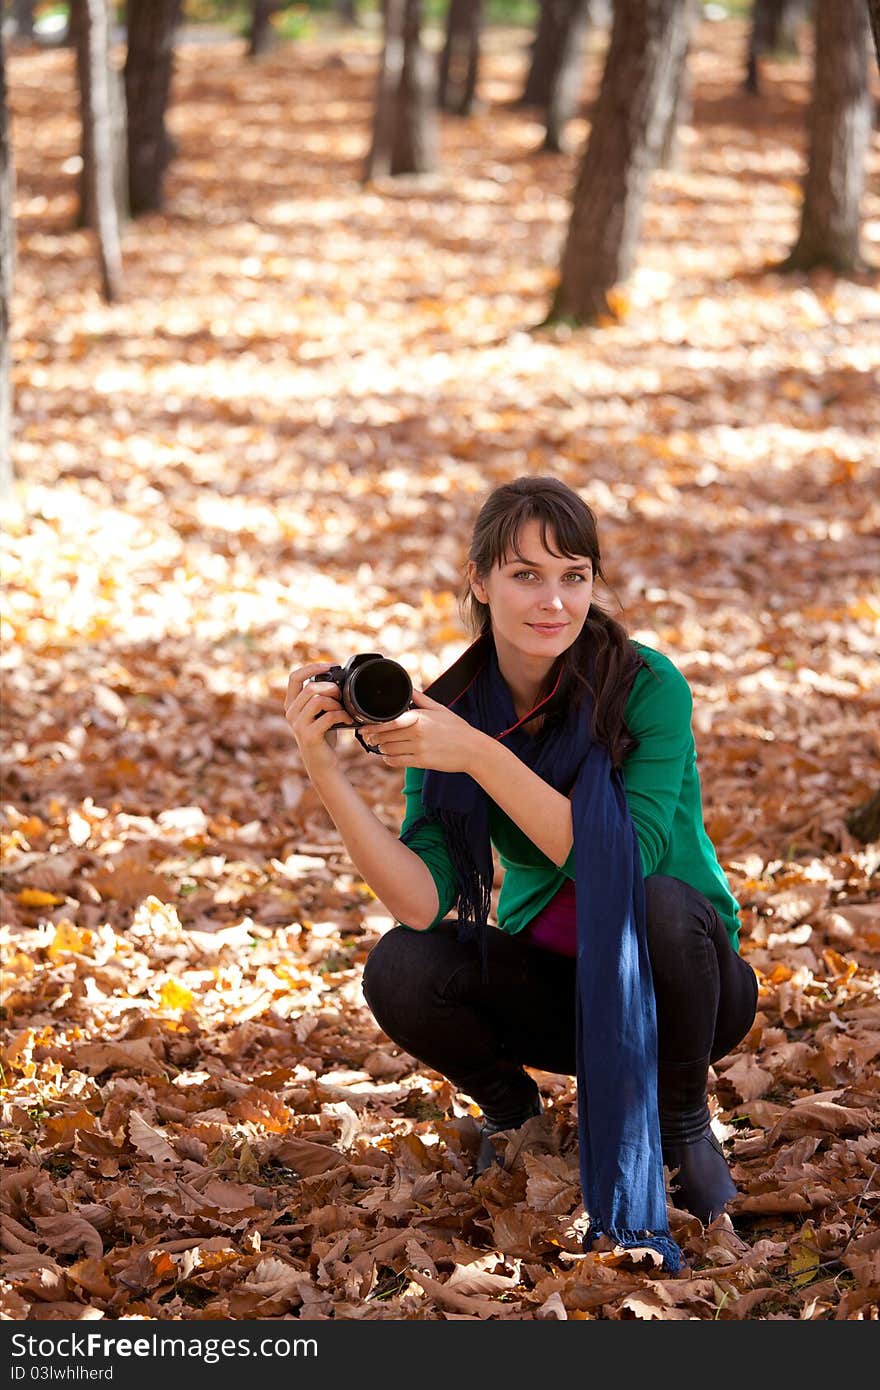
<point x="555" y="927"/>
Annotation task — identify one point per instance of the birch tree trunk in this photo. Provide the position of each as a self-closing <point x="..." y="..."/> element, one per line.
<point x="86" y="213"/>
<point x="101" y="191"/>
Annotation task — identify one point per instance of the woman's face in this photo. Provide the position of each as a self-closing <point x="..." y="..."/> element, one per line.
<point x="538" y="601"/>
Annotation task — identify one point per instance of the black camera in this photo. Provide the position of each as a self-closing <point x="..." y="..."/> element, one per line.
<point x="373" y="688"/>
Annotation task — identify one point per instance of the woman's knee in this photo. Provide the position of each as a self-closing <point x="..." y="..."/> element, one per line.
<point x="399" y="973"/>
<point x="384" y="966"/>
<point x="678" y="919"/>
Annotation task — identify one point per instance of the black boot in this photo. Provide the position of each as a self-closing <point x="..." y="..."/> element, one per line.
<point x="486" y="1152"/>
<point x="702" y="1185"/>
<point x="507" y="1097"/>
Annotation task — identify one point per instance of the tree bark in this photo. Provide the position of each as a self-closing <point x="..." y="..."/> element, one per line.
<point x="261" y="38"/>
<point x="7" y="270"/>
<point x="565" y="74"/>
<point x="96" y="24"/>
<point x="459" y="63"/>
<point x="774" y="29"/>
<point x="636" y="96"/>
<point x="840" y="129"/>
<point x="86" y="215"/>
<point x="874" y="12"/>
<point x="148" y="72"/>
<point x="404" y="123"/>
<point x="679" y="114"/>
<point x="546" y="46"/>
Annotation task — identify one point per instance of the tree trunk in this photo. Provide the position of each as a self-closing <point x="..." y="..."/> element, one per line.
<point x="7" y="268"/>
<point x="460" y="59"/>
<point x="404" y="123"/>
<point x="96" y="24"/>
<point x="565" y="76"/>
<point x="23" y="18"/>
<point x="261" y="37"/>
<point x="86" y="215"/>
<point x="636" y="96"/>
<point x="679" y="114"/>
<point x="148" y="71"/>
<point x="840" y="129"/>
<point x="546" y="46"/>
<point x="346" y="11"/>
<point x="874" y="12"/>
<point x="774" y="29"/>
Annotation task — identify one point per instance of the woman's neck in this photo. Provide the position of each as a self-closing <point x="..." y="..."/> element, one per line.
<point x="526" y="679"/>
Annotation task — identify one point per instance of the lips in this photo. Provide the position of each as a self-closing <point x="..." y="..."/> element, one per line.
<point x="548" y="627"/>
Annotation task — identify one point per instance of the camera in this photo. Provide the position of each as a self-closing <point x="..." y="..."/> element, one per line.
<point x="373" y="688"/>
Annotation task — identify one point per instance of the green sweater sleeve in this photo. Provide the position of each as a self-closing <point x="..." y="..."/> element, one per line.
<point x="428" y="843"/>
<point x="658" y="714"/>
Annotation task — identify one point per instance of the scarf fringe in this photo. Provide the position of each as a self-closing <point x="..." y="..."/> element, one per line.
<point x="474" y="883"/>
<point x="473" y="880"/>
<point x="665" y="1246"/>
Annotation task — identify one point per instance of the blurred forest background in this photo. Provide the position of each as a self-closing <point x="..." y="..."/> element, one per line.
<point x="285" y="290"/>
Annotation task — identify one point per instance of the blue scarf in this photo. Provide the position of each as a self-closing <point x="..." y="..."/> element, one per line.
<point x="618" y="1126"/>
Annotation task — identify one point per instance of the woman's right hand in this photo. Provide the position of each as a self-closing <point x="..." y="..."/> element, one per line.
<point x="312" y="709"/>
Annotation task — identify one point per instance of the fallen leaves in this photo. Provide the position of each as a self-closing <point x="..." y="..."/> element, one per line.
<point x="201" y="1119"/>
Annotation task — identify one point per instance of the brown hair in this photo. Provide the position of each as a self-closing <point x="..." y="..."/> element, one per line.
<point x="602" y="659"/>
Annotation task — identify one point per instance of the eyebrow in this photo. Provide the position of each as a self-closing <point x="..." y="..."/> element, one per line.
<point x="533" y="564"/>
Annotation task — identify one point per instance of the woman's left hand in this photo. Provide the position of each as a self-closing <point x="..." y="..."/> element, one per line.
<point x="429" y="736"/>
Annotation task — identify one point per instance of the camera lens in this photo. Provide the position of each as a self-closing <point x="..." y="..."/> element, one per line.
<point x="379" y="690"/>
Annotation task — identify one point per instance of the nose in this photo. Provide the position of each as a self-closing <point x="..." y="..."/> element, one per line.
<point x="552" y="602"/>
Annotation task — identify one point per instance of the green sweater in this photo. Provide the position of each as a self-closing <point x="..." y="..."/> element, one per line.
<point x="663" y="793"/>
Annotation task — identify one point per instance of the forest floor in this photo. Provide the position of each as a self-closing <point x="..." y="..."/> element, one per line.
<point x="271" y="452"/>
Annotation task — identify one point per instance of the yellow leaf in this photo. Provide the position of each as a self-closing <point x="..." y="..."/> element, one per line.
<point x="862" y="607"/>
<point x="175" y="996"/>
<point x="37" y="897"/>
<point x="69" y="938"/>
<point x="804" y="1262"/>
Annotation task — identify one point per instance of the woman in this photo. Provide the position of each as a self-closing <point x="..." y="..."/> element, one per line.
<point x="569" y="747"/>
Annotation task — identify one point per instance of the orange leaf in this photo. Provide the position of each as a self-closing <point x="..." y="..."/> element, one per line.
<point x="69" y="938"/>
<point x="37" y="897"/>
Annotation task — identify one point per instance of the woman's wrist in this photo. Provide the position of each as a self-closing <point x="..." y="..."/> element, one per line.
<point x="327" y="780"/>
<point x="483" y="753"/>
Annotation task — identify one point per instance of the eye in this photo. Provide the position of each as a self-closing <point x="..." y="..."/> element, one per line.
<point x="523" y="574"/>
<point x="576" y="574"/>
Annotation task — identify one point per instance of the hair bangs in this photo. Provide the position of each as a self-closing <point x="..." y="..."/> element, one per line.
<point x="562" y="534"/>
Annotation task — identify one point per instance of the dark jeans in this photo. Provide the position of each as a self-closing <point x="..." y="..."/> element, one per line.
<point x="425" y="991"/>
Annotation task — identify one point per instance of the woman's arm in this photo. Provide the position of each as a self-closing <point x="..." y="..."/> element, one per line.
<point x="541" y="812"/>
<point x="433" y="736"/>
<point x="394" y="872"/>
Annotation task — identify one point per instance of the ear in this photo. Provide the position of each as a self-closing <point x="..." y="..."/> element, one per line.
<point x="478" y="588"/>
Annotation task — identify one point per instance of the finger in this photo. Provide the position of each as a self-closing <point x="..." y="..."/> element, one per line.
<point x="324" y="723"/>
<point x="325" y="690"/>
<point x="302" y="673"/>
<point x="298" y="680"/>
<point x="316" y="708"/>
<point x="423" y="701"/>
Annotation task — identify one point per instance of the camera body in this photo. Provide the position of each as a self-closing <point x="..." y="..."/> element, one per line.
<point x="374" y="689"/>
